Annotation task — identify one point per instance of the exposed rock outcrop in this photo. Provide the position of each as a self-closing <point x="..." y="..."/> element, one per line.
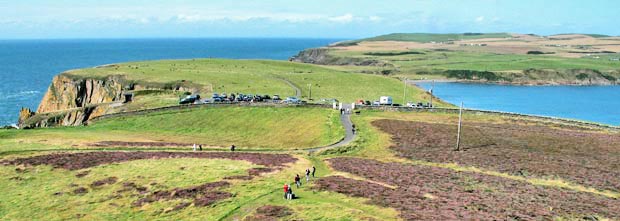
<point x="321" y="56"/>
<point x="24" y="114"/>
<point x="67" y="92"/>
<point x="73" y="117"/>
<point x="73" y="100"/>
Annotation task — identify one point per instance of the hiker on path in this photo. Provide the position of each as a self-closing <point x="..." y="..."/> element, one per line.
<point x="200" y="147"/>
<point x="298" y="181"/>
<point x="232" y="148"/>
<point x="194" y="148"/>
<point x="285" y="191"/>
<point x="290" y="193"/>
<point x="313" y="170"/>
<point x="307" y="175"/>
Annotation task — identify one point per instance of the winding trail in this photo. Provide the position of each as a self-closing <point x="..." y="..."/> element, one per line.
<point x="297" y="89"/>
<point x="345" y="119"/>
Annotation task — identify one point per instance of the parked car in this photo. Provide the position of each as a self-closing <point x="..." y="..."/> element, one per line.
<point x="376" y="103"/>
<point x="190" y="99"/>
<point x="292" y="100"/>
<point x="276" y="97"/>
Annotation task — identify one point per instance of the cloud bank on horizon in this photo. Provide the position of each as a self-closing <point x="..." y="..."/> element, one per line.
<point x="292" y="18"/>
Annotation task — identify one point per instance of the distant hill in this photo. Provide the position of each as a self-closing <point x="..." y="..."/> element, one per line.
<point x="427" y="37"/>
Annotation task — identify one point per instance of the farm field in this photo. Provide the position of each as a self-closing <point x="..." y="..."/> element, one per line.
<point x="509" y="58"/>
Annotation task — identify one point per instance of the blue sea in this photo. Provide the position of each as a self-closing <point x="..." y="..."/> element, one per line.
<point x="28" y="66"/>
<point x="588" y="103"/>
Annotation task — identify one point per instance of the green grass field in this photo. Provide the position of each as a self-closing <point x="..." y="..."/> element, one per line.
<point x="258" y="128"/>
<point x="30" y="192"/>
<point x="432" y="64"/>
<point x="256" y="77"/>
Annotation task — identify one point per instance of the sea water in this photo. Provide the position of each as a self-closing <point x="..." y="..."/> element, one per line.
<point x="28" y="66"/>
<point x="599" y="104"/>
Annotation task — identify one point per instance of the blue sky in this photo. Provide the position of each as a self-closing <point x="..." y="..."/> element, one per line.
<point x="291" y="18"/>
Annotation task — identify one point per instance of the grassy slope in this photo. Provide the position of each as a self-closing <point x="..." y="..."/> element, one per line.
<point x="312" y="205"/>
<point x="258" y="77"/>
<point x="418" y="66"/>
<point x="456" y="60"/>
<point x="33" y="197"/>
<point x="246" y="127"/>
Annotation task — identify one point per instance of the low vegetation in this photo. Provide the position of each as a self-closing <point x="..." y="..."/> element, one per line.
<point x="246" y="127"/>
<point x="251" y="77"/>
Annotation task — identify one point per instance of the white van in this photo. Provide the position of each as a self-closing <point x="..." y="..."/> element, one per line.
<point x="385" y="100"/>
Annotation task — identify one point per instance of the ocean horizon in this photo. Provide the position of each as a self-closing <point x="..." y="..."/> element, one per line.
<point x="27" y="66"/>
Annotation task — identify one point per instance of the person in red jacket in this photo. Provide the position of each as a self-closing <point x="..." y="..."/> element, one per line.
<point x="285" y="191"/>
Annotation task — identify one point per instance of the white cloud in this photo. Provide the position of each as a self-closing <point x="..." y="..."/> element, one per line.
<point x="480" y="19"/>
<point x="346" y="18"/>
<point x="375" y="18"/>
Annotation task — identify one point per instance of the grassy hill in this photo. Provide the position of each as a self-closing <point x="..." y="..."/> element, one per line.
<point x="254" y="77"/>
<point x="511" y="57"/>
<point x="428" y="37"/>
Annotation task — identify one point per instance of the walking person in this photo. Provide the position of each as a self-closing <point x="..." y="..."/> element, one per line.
<point x="307" y="175"/>
<point x="200" y="147"/>
<point x="194" y="148"/>
<point x="290" y="193"/>
<point x="285" y="191"/>
<point x="298" y="181"/>
<point x="232" y="148"/>
<point x="313" y="170"/>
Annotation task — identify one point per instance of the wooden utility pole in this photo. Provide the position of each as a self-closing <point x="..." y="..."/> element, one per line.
<point x="405" y="92"/>
<point x="458" y="132"/>
<point x="432" y="88"/>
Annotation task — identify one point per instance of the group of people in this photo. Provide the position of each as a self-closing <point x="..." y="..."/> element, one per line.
<point x="197" y="147"/>
<point x="288" y="189"/>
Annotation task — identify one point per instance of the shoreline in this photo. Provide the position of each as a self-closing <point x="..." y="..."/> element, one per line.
<point x="533" y="84"/>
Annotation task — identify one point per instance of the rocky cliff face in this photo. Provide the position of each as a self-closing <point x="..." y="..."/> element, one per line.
<point x="73" y="117"/>
<point x="71" y="101"/>
<point x="321" y="56"/>
<point x="67" y="92"/>
<point x="565" y="77"/>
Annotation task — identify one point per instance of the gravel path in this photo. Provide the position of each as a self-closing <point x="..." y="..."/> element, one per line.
<point x="345" y="119"/>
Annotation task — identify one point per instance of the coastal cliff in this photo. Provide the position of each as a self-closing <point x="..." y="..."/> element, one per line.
<point x="67" y="92"/>
<point x="322" y="56"/>
<point x="71" y="101"/>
